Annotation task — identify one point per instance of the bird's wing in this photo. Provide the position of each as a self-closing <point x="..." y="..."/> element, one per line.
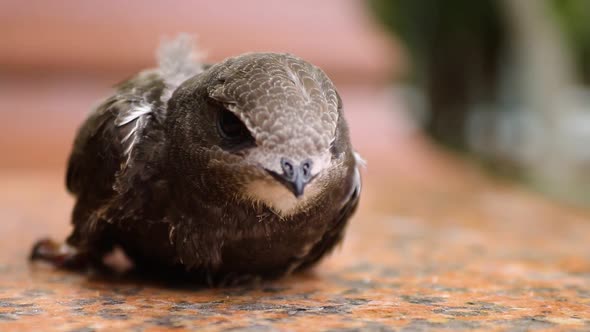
<point x="109" y="141"/>
<point x="124" y="135"/>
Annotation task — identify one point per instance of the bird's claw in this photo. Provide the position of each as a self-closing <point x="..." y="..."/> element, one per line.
<point x="60" y="255"/>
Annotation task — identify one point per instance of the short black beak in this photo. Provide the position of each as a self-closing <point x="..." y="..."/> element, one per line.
<point x="296" y="186"/>
<point x="294" y="177"/>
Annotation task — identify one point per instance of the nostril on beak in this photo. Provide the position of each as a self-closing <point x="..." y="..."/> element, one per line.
<point x="288" y="167"/>
<point x="306" y="169"/>
<point x="295" y="177"/>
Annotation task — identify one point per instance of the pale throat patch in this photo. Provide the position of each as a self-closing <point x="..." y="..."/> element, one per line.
<point x="277" y="197"/>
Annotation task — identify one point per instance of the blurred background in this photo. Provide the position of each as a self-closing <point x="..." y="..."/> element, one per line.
<point x="501" y="83"/>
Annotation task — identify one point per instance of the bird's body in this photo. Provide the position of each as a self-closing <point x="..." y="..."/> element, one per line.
<point x="239" y="169"/>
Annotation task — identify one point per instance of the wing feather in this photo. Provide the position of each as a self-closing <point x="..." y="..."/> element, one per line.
<point x="124" y="133"/>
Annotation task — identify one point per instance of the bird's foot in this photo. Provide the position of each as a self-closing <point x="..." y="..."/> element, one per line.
<point x="60" y="255"/>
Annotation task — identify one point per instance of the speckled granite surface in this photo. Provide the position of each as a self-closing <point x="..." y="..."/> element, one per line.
<point x="431" y="248"/>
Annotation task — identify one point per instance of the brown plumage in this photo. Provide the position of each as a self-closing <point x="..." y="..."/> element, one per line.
<point x="231" y="171"/>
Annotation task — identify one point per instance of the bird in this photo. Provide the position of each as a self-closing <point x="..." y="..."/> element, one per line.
<point x="238" y="170"/>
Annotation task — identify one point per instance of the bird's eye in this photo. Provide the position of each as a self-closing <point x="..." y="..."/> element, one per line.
<point x="230" y="125"/>
<point x="232" y="129"/>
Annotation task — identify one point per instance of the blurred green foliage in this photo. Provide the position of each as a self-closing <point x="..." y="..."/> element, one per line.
<point x="574" y="19"/>
<point x="466" y="62"/>
<point x="457" y="48"/>
<point x="426" y="26"/>
<point x="454" y="47"/>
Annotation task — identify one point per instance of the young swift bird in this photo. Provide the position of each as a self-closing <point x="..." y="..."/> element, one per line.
<point x="241" y="169"/>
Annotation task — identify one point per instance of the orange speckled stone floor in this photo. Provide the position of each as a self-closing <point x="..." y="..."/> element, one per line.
<point x="436" y="244"/>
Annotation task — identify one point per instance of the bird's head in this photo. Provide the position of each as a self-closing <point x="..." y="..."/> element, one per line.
<point x="260" y="127"/>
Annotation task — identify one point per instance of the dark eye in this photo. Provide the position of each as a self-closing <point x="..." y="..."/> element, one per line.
<point x="232" y="129"/>
<point x="230" y="125"/>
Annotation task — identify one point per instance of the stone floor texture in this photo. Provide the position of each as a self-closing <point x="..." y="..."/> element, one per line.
<point x="434" y="246"/>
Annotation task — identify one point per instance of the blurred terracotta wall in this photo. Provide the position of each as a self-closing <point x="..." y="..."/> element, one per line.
<point x="57" y="58"/>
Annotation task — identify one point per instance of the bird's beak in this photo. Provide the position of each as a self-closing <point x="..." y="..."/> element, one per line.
<point x="294" y="177"/>
<point x="297" y="186"/>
